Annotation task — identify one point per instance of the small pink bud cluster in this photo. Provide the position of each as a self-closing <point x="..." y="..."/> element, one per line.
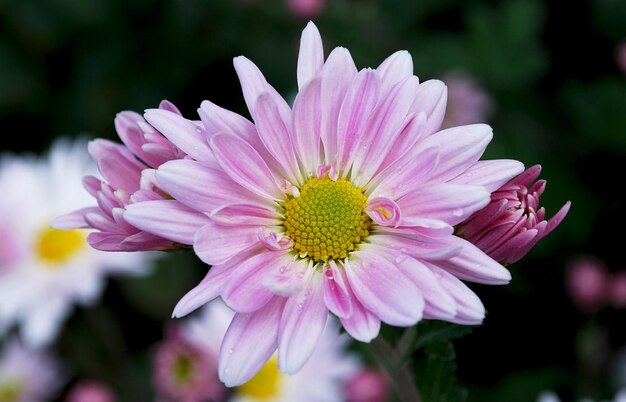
<point x="512" y="223"/>
<point x="592" y="287"/>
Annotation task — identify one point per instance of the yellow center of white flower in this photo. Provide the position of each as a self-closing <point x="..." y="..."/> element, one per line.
<point x="265" y="385"/>
<point x="183" y="368"/>
<point x="10" y="392"/>
<point x="57" y="246"/>
<point x="327" y="220"/>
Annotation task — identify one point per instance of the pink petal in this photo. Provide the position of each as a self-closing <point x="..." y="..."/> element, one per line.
<point x="395" y="68"/>
<point x="289" y="278"/>
<point x="250" y="341"/>
<point x="431" y="98"/>
<point x="216" y="243"/>
<point x="491" y="174"/>
<point x="384" y="211"/>
<point x="336" y="294"/>
<point x="451" y="203"/>
<point x="217" y="119"/>
<point x="473" y="265"/>
<point x="384" y="290"/>
<point x="275" y="135"/>
<point x="253" y="84"/>
<point x="470" y="310"/>
<point x="181" y="132"/>
<point x="311" y="56"/>
<point x="201" y="187"/>
<point x="74" y="220"/>
<point x="246" y="291"/>
<point x="336" y="76"/>
<point x="361" y="325"/>
<point x="245" y="214"/>
<point x="211" y="287"/>
<point x="415" y="245"/>
<point x="459" y="148"/>
<point x="301" y="325"/>
<point x="359" y="101"/>
<point x="382" y="129"/>
<point x="410" y="134"/>
<point x="307" y="120"/>
<point x="166" y="218"/>
<point x="254" y="174"/>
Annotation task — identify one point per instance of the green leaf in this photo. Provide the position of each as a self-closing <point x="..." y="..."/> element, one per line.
<point x="436" y="374"/>
<point x="435" y="331"/>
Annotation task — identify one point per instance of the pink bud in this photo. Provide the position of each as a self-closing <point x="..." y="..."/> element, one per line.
<point x="367" y="386"/>
<point x="90" y="392"/>
<point x="512" y="223"/>
<point x="588" y="283"/>
<point x="306" y="8"/>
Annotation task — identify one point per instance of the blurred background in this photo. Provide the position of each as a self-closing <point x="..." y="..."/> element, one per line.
<point x="549" y="77"/>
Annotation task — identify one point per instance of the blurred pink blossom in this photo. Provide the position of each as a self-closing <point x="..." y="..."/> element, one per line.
<point x="618" y="289"/>
<point x="620" y="56"/>
<point x="588" y="283"/>
<point x="306" y="8"/>
<point x="89" y="391"/>
<point x="368" y="386"/>
<point x="512" y="223"/>
<point x="468" y="101"/>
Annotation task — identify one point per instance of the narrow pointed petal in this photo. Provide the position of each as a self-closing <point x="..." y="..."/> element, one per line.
<point x="491" y="174"/>
<point x="384" y="290"/>
<point x="470" y="310"/>
<point x="166" y="218"/>
<point x="362" y="325"/>
<point x="451" y="203"/>
<point x="215" y="243"/>
<point x="245" y="214"/>
<point x="395" y="68"/>
<point x="243" y="352"/>
<point x="181" y="132"/>
<point x="359" y="102"/>
<point x="311" y="55"/>
<point x="254" y="174"/>
<point x="301" y="325"/>
<point x="410" y="134"/>
<point x="74" y="220"/>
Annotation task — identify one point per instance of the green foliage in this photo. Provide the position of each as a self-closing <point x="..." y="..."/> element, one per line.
<point x="435" y="374"/>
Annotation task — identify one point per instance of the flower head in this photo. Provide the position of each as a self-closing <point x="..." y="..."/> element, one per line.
<point x="468" y="101"/>
<point x="128" y="172"/>
<point x="512" y="223"/>
<point x="45" y="271"/>
<point x="343" y="203"/>
<point x="90" y="392"/>
<point x="368" y="386"/>
<point x="588" y="283"/>
<point x="27" y="375"/>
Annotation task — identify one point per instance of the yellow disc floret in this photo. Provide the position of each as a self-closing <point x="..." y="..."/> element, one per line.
<point x="327" y="220"/>
<point x="56" y="246"/>
<point x="265" y="385"/>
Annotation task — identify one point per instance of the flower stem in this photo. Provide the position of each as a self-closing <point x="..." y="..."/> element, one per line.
<point x="394" y="363"/>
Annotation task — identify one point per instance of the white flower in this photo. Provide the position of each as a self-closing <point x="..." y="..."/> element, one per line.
<point x="27" y="375"/>
<point x="44" y="271"/>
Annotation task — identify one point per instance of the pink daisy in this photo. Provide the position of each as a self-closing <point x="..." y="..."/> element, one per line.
<point x="344" y="203"/>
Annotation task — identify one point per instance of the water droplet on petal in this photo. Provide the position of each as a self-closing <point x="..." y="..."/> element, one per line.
<point x="230" y="351"/>
<point x="457" y="212"/>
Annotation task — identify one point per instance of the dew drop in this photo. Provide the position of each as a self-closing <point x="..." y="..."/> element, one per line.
<point x="400" y="258"/>
<point x="282" y="270"/>
<point x="230" y="351"/>
<point x="457" y="212"/>
<point x="301" y="274"/>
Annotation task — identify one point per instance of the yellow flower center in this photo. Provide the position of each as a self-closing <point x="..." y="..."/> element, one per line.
<point x="183" y="368"/>
<point x="10" y="392"/>
<point x="265" y="384"/>
<point x="327" y="220"/>
<point x="57" y="246"/>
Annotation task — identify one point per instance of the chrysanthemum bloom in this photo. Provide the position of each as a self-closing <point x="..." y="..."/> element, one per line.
<point x="184" y="371"/>
<point x="512" y="223"/>
<point x="344" y="203"/>
<point x="44" y="271"/>
<point x="27" y="375"/>
<point x="128" y="172"/>
<point x="90" y="391"/>
<point x="368" y="386"/>
<point x="468" y="101"/>
<point x="322" y="379"/>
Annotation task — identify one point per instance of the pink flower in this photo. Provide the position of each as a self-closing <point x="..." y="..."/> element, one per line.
<point x="344" y="203"/>
<point x="90" y="392"/>
<point x="620" y="56"/>
<point x="588" y="283"/>
<point x="368" y="386"/>
<point x="184" y="371"/>
<point x="468" y="102"/>
<point x="512" y="223"/>
<point x="306" y="8"/>
<point x="618" y="289"/>
<point x="129" y="179"/>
